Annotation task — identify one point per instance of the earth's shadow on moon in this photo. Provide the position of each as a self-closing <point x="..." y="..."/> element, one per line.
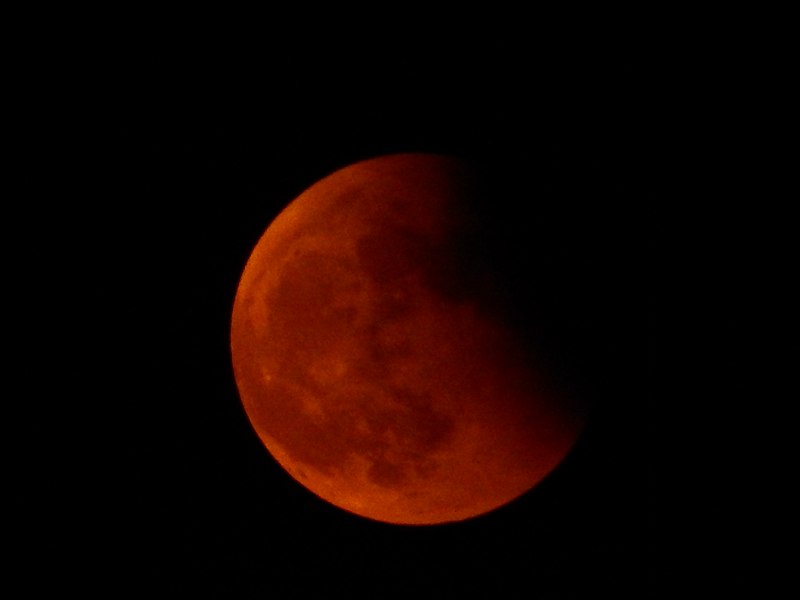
<point x="557" y="256"/>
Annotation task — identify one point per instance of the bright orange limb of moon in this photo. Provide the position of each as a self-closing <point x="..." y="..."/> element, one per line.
<point x="369" y="358"/>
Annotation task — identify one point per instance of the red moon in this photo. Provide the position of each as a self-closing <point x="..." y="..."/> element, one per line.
<point x="373" y="357"/>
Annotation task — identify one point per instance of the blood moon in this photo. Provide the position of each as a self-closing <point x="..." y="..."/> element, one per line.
<point x="373" y="353"/>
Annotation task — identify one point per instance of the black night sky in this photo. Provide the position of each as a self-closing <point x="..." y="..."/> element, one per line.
<point x="146" y="473"/>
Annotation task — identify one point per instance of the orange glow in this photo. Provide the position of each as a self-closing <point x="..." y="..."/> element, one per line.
<point x="367" y="368"/>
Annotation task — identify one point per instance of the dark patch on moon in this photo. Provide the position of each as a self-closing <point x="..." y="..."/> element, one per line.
<point x="391" y="254"/>
<point x="399" y="439"/>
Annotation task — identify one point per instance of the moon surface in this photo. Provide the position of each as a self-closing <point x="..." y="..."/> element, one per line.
<point x="374" y="355"/>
